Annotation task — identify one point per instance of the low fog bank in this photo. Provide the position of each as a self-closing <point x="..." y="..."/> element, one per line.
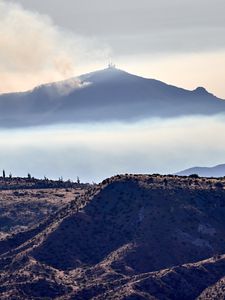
<point x="102" y="150"/>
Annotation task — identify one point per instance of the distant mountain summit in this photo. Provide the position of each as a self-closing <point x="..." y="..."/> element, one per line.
<point x="110" y="94"/>
<point x="216" y="171"/>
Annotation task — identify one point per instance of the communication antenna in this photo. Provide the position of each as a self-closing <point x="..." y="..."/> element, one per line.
<point x="111" y="65"/>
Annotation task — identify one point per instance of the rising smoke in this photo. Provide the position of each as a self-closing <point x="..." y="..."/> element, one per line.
<point x="33" y="50"/>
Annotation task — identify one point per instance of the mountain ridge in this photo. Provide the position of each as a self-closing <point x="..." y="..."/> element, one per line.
<point x="129" y="237"/>
<point x="84" y="77"/>
<point x="214" y="171"/>
<point x="105" y="95"/>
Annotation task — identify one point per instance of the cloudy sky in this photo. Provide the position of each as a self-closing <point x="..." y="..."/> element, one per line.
<point x="180" y="42"/>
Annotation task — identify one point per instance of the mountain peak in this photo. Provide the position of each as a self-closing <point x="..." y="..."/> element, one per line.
<point x="109" y="73"/>
<point x="201" y="90"/>
<point x="110" y="94"/>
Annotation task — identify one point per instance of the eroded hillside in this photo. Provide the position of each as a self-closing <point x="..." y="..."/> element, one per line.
<point x="130" y="236"/>
<point x="21" y="209"/>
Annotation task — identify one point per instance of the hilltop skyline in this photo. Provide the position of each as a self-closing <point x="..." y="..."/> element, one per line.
<point x="178" y="43"/>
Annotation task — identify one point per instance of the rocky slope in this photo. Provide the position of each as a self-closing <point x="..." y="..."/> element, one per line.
<point x="130" y="237"/>
<point x="21" y="209"/>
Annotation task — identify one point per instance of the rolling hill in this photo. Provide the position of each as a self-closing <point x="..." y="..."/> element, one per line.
<point x="130" y="237"/>
<point x="106" y="95"/>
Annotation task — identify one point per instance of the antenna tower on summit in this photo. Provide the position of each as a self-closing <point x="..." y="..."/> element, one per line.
<point x="111" y="65"/>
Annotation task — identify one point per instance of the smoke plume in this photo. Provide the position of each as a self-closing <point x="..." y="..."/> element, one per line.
<point x="33" y="50"/>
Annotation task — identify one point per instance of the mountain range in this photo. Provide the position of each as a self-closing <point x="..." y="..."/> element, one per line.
<point x="215" y="171"/>
<point x="106" y="95"/>
<point x="131" y="237"/>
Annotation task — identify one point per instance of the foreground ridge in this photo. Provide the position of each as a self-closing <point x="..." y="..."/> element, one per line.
<point x="129" y="237"/>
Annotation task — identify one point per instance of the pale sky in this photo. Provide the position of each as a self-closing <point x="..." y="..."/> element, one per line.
<point x="179" y="42"/>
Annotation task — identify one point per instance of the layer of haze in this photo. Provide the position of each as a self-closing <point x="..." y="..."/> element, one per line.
<point x="180" y="42"/>
<point x="99" y="151"/>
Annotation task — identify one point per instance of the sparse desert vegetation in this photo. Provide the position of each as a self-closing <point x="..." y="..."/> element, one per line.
<point x="25" y="202"/>
<point x="129" y="237"/>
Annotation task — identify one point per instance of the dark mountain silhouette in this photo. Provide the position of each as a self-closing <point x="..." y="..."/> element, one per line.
<point x="105" y="95"/>
<point x="216" y="171"/>
<point x="130" y="237"/>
